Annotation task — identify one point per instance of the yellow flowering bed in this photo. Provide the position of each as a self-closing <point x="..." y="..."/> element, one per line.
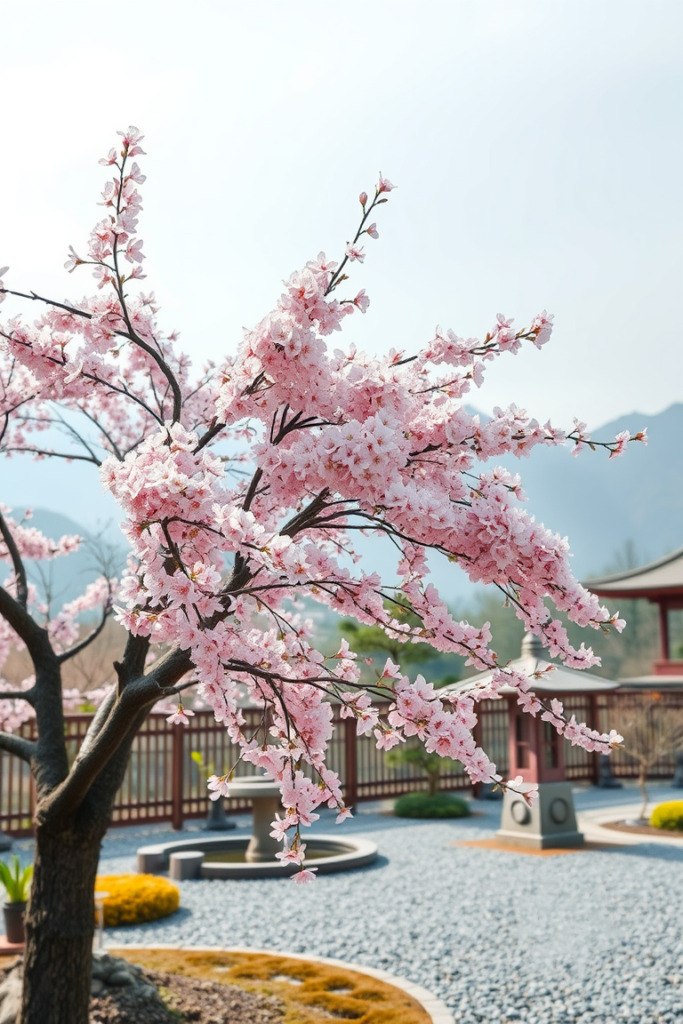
<point x="668" y="816"/>
<point x="133" y="899"/>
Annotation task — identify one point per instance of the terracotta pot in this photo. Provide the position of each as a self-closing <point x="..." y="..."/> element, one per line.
<point x="14" y="921"/>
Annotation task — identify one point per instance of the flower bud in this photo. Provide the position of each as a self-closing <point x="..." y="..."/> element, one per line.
<point x="363" y="198"/>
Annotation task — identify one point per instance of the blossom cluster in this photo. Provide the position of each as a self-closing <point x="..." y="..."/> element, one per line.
<point x="331" y="441"/>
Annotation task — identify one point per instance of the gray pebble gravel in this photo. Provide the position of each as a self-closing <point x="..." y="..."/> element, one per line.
<point x="498" y="936"/>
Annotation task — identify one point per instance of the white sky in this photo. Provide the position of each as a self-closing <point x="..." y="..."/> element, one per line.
<point x="536" y="144"/>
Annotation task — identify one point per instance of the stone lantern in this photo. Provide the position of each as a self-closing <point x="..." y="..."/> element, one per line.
<point x="536" y="752"/>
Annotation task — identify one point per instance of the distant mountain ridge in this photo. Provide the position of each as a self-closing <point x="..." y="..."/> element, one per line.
<point x="599" y="503"/>
<point x="602" y="503"/>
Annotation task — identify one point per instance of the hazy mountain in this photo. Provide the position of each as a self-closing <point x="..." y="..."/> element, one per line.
<point x="72" y="489"/>
<point x="64" y="578"/>
<point x="602" y="503"/>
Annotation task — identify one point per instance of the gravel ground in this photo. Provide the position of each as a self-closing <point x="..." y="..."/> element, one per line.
<point x="584" y="937"/>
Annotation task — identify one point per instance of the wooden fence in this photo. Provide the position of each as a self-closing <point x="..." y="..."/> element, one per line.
<point x="163" y="784"/>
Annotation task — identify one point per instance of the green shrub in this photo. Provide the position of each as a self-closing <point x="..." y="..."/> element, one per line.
<point x="422" y="805"/>
<point x="668" y="816"/>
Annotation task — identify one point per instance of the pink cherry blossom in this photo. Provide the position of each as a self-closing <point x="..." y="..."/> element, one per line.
<point x="218" y="786"/>
<point x="541" y="328"/>
<point x="620" y="443"/>
<point x="73" y="261"/>
<point x="133" y="251"/>
<point x="181" y="716"/>
<point x="355" y="252"/>
<point x="304" y="876"/>
<point x="131" y="141"/>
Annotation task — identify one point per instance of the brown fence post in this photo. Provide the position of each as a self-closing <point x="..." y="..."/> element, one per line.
<point x="350" y="763"/>
<point x="594" y="723"/>
<point x="177" y="735"/>
<point x="477" y="788"/>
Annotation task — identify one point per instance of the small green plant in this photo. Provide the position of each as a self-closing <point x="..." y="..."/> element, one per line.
<point x="16" y="880"/>
<point x="413" y="752"/>
<point x="424" y="805"/>
<point x="668" y="816"/>
<point x="206" y="769"/>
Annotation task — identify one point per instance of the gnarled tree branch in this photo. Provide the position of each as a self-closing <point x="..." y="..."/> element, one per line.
<point x="18" y="746"/>
<point x="17" y="563"/>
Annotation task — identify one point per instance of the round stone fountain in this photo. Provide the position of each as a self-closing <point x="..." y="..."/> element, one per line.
<point x="253" y="856"/>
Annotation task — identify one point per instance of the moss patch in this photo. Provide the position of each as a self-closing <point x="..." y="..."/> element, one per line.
<point x="312" y="993"/>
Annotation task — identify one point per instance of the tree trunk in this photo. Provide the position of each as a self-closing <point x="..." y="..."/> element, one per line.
<point x="60" y="925"/>
<point x="642" y="782"/>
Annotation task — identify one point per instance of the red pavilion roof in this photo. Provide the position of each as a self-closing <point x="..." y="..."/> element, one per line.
<point x="656" y="581"/>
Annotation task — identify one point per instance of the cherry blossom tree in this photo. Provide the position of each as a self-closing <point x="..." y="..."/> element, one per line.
<point x="243" y="488"/>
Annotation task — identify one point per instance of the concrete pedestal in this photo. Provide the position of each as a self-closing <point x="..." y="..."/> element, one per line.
<point x="606" y="779"/>
<point x="677" y="781"/>
<point x="264" y="794"/>
<point x="550" y="823"/>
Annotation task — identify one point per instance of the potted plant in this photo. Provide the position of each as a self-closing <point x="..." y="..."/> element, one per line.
<point x="17" y="883"/>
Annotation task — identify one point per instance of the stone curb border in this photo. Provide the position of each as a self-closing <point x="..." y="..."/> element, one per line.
<point x="591" y="824"/>
<point x="351" y="853"/>
<point x="437" y="1010"/>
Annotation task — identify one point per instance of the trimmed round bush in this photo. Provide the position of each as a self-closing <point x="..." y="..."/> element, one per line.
<point x="422" y="805"/>
<point x="668" y="816"/>
<point x="133" y="899"/>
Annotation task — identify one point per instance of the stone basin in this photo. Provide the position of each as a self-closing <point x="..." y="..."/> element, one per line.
<point x="254" y="856"/>
<point x="186" y="858"/>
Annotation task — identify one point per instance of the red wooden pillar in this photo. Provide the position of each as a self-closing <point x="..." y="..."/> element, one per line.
<point x="664" y="630"/>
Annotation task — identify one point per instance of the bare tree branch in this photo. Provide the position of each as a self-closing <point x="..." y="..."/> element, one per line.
<point x="82" y="644"/>
<point x="18" y="745"/>
<point x="20" y="621"/>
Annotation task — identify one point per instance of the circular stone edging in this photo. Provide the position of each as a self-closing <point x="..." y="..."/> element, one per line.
<point x="351" y="853"/>
<point x="593" y="824"/>
<point x="437" y="1010"/>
